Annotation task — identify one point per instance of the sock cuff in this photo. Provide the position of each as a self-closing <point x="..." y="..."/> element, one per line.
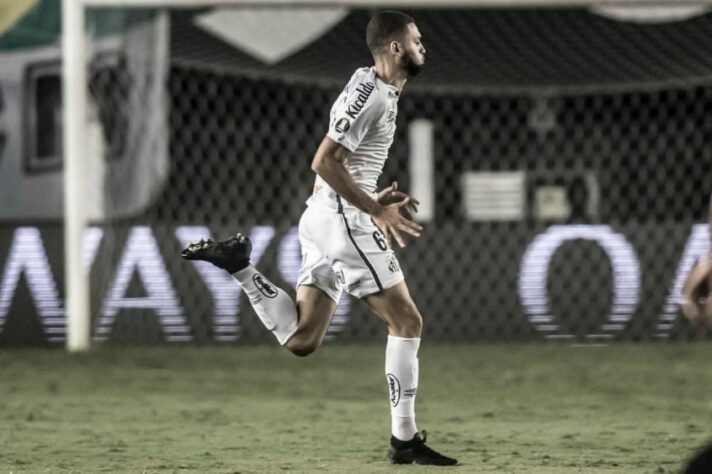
<point x="398" y="338"/>
<point x="244" y="273"/>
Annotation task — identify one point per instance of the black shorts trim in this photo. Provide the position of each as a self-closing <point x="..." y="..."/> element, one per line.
<point x="360" y="253"/>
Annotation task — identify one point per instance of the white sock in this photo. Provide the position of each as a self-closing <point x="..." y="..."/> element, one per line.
<point x="273" y="306"/>
<point x="402" y="379"/>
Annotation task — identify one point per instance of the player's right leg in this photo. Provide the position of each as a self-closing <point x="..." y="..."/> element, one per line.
<point x="369" y="270"/>
<point x="396" y="308"/>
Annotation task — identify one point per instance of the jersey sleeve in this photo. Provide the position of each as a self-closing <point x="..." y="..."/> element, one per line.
<point x="352" y="115"/>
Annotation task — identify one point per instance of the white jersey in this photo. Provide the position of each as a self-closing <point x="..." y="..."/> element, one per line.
<point x="363" y="119"/>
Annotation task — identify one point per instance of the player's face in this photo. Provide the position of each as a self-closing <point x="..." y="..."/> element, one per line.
<point x="413" y="50"/>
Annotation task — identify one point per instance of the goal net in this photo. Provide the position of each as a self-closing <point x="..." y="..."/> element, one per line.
<point x="561" y="153"/>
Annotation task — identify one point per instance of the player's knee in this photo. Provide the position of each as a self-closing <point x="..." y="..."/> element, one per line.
<point x="302" y="347"/>
<point x="407" y="324"/>
<point x="415" y="324"/>
<point x="303" y="350"/>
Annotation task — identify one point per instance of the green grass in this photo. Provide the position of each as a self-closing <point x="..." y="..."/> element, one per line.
<point x="497" y="408"/>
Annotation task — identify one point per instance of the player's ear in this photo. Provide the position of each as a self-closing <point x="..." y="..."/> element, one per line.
<point x="395" y="47"/>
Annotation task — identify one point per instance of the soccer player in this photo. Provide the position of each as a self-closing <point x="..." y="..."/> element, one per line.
<point x="696" y="301"/>
<point x="346" y="233"/>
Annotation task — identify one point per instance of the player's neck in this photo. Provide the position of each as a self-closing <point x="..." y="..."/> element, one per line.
<point x="391" y="74"/>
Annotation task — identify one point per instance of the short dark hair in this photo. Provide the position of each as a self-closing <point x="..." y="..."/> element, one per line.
<point x="384" y="27"/>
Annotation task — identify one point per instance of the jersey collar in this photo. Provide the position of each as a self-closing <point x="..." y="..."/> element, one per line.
<point x="392" y="90"/>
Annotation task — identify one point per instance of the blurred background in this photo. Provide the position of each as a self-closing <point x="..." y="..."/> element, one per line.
<point x="562" y="156"/>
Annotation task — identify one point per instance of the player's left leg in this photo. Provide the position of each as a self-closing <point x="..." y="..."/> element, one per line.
<point x="315" y="308"/>
<point x="299" y="325"/>
<point x="273" y="306"/>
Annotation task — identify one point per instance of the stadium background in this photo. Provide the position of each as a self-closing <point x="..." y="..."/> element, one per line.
<point x="593" y="130"/>
<point x="614" y="114"/>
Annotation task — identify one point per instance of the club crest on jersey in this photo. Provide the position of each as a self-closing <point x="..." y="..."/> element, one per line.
<point x="342" y="125"/>
<point x="364" y="92"/>
<point x="265" y="288"/>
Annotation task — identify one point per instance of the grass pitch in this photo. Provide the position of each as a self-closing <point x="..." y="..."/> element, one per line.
<point x="497" y="408"/>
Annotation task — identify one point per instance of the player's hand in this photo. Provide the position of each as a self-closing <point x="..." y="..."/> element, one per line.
<point x="392" y="195"/>
<point x="392" y="223"/>
<point x="696" y="301"/>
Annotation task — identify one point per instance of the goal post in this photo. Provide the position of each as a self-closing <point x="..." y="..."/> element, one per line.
<point x="76" y="101"/>
<point x="74" y="80"/>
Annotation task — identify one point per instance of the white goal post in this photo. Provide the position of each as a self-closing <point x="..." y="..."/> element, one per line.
<point x="75" y="93"/>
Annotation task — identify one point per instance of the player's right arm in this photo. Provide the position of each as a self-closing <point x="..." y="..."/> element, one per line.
<point x="328" y="163"/>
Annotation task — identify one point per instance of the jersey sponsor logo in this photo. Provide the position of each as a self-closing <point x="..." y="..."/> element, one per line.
<point x="394" y="389"/>
<point x="391" y="116"/>
<point x="364" y="92"/>
<point x="342" y="126"/>
<point x="265" y="288"/>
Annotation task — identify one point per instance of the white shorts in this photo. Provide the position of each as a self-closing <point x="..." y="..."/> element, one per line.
<point x="345" y="252"/>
